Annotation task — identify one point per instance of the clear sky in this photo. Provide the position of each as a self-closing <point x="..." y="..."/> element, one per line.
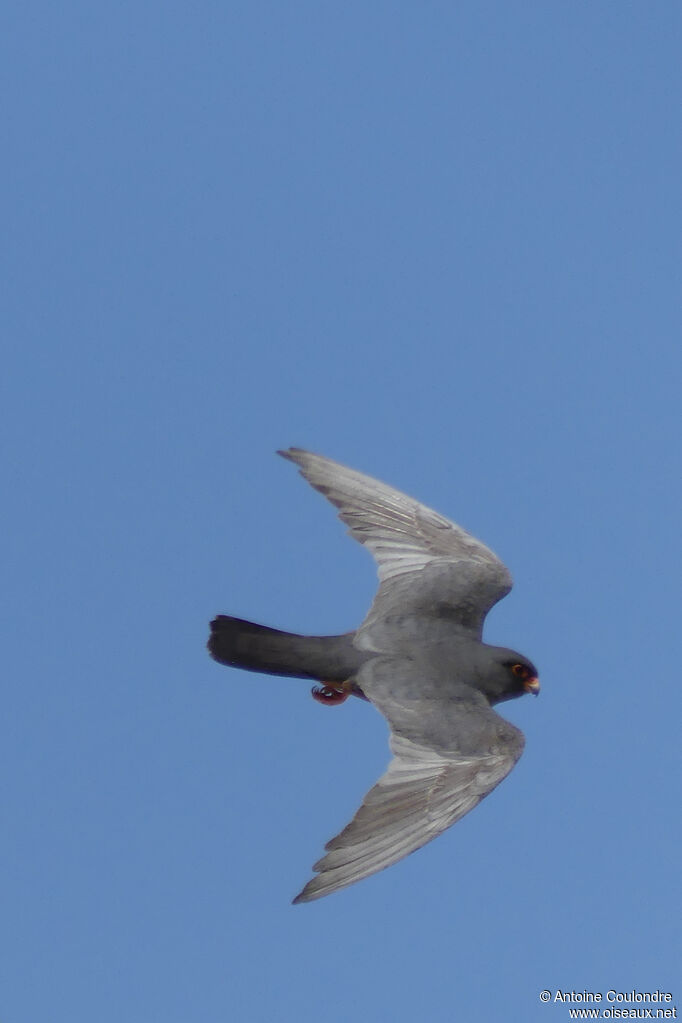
<point x="439" y="242"/>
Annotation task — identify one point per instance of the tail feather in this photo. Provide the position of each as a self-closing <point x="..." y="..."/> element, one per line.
<point x="243" y="644"/>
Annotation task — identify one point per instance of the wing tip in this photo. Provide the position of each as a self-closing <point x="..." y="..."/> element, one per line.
<point x="292" y="454"/>
<point x="307" y="894"/>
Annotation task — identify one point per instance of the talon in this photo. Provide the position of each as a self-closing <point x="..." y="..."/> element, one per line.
<point x="330" y="694"/>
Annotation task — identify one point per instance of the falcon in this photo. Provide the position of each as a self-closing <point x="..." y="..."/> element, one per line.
<point x="418" y="657"/>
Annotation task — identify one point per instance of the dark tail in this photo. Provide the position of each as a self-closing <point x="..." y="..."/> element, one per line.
<point x="257" y="648"/>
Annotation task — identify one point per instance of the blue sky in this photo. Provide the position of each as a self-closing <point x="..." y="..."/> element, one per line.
<point x="440" y="243"/>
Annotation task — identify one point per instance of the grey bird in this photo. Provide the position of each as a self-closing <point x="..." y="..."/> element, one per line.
<point x="418" y="657"/>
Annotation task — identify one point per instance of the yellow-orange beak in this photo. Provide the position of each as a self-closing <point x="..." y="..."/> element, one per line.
<point x="532" y="686"/>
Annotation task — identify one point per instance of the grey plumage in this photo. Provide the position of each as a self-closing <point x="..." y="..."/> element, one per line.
<point x="418" y="657"/>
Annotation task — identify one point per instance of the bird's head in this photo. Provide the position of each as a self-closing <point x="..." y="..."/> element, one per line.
<point x="507" y="675"/>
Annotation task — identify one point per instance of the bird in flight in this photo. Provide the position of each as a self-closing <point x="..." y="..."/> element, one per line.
<point x="418" y="657"/>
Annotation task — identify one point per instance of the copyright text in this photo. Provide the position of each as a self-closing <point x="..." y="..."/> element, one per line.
<point x="618" y="1004"/>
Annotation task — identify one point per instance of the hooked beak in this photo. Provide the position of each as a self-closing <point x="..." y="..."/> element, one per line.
<point x="532" y="686"/>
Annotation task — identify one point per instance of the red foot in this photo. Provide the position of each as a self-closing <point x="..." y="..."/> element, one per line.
<point x="329" y="694"/>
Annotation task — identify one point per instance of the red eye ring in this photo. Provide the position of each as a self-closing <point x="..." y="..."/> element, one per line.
<point x="520" y="670"/>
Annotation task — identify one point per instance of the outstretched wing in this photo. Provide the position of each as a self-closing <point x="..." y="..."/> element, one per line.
<point x="426" y="564"/>
<point x="422" y="793"/>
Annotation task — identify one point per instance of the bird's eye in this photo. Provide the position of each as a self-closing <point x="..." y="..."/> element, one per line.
<point x="520" y="670"/>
